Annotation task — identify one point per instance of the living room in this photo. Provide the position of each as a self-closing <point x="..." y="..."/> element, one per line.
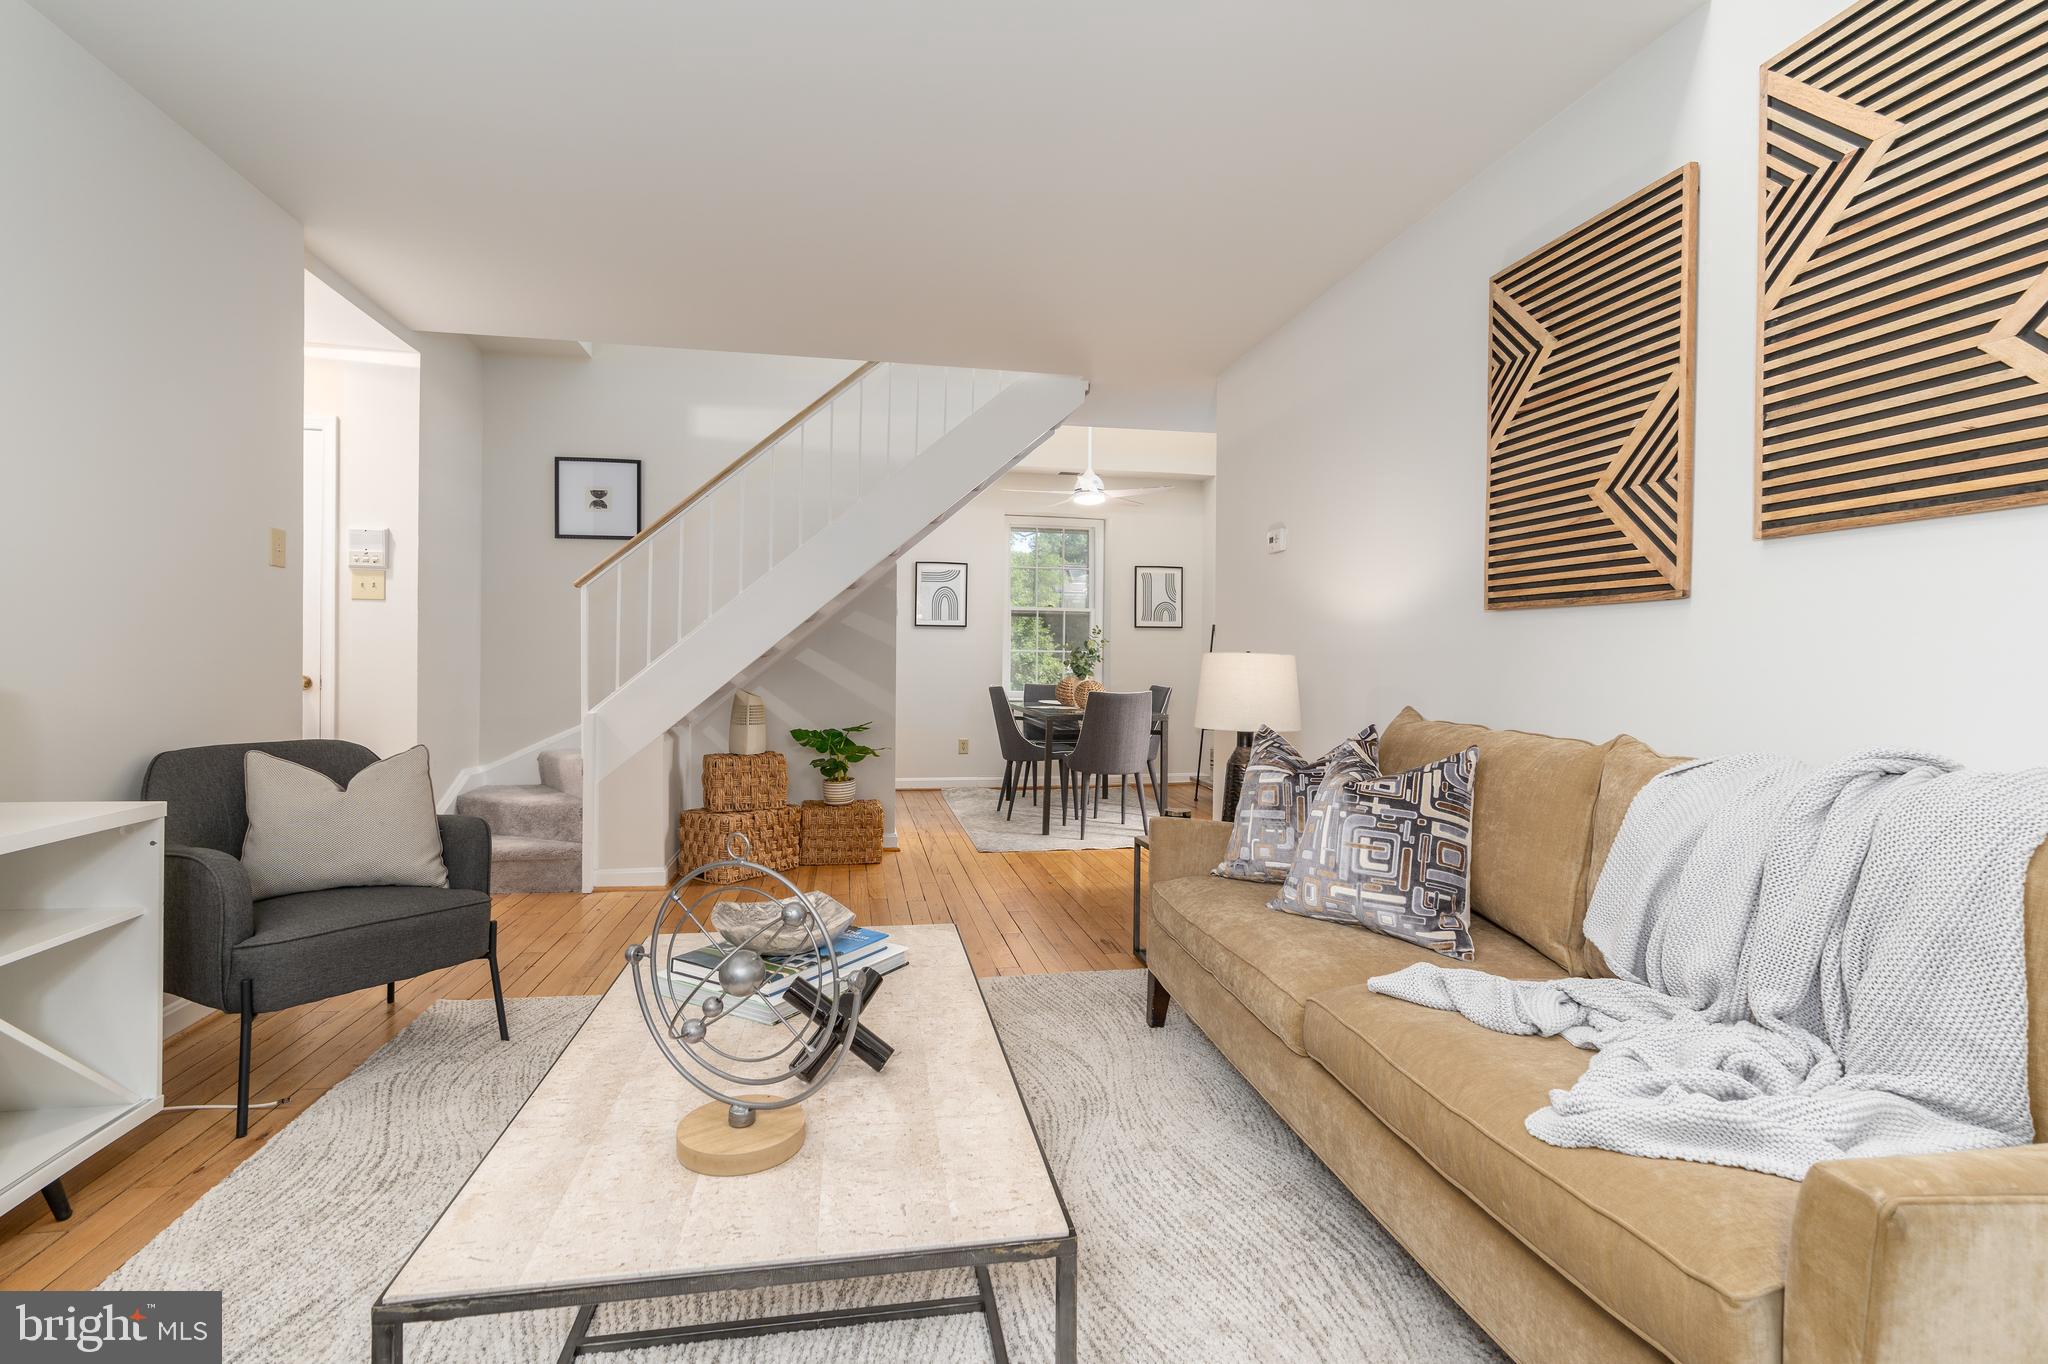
<point x="1450" y="768"/>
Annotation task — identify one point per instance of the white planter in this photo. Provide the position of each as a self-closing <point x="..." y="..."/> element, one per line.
<point x="839" y="792"/>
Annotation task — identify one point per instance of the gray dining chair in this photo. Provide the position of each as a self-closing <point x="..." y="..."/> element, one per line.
<point x="1037" y="693"/>
<point x="1021" y="755"/>
<point x="1115" y="737"/>
<point x="1162" y="698"/>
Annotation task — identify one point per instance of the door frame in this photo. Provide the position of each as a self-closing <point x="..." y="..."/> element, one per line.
<point x="321" y="584"/>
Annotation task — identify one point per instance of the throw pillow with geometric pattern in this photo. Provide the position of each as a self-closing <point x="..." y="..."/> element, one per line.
<point x="1274" y="801"/>
<point x="1392" y="853"/>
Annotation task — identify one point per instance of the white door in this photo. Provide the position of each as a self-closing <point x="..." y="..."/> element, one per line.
<point x="319" y="566"/>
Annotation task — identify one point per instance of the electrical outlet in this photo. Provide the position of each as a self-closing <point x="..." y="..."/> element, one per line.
<point x="963" y="745"/>
<point x="276" y="547"/>
<point x="366" y="585"/>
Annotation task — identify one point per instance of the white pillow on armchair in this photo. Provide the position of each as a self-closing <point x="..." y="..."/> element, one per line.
<point x="308" y="833"/>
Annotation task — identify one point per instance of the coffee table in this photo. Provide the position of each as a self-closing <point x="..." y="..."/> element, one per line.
<point x="931" y="1164"/>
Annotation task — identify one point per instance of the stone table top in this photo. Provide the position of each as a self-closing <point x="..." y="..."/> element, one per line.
<point x="583" y="1187"/>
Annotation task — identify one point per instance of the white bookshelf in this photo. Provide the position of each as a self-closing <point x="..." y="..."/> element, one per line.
<point x="81" y="982"/>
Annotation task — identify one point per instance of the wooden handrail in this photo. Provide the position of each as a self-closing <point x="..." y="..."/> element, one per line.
<point x="860" y="372"/>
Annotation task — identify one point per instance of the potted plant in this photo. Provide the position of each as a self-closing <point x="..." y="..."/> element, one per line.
<point x="837" y="751"/>
<point x="1083" y="660"/>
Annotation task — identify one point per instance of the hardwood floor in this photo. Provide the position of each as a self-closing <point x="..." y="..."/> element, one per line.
<point x="1017" y="913"/>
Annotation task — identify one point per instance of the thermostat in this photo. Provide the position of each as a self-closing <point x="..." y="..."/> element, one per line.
<point x="369" y="549"/>
<point x="1276" y="539"/>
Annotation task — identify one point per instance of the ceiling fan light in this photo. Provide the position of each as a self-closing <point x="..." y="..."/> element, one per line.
<point x="1089" y="498"/>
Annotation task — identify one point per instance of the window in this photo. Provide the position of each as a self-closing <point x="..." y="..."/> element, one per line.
<point x="1055" y="596"/>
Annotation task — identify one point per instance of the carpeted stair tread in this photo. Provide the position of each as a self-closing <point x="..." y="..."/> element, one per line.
<point x="517" y="848"/>
<point x="525" y="811"/>
<point x="535" y="864"/>
<point x="562" y="768"/>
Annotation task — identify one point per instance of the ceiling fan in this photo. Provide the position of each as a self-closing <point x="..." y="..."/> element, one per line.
<point x="1088" y="490"/>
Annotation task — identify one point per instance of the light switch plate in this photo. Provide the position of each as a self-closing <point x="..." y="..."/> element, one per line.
<point x="276" y="547"/>
<point x="366" y="586"/>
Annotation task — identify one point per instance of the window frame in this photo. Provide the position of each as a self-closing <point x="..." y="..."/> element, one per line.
<point x="1097" y="603"/>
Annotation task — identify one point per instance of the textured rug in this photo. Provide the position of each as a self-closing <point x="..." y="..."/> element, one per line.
<point x="1207" y="1230"/>
<point x="991" y="831"/>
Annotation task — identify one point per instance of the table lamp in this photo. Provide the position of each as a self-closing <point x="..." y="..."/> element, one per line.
<point x="1242" y="692"/>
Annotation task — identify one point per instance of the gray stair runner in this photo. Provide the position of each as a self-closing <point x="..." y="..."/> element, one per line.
<point x="536" y="831"/>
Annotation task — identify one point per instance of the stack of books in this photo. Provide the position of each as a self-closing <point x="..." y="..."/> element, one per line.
<point x="855" y="948"/>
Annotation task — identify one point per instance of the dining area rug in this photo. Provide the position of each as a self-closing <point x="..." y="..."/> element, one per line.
<point x="994" y="830"/>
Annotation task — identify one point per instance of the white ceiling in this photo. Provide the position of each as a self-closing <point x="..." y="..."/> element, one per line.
<point x="1133" y="190"/>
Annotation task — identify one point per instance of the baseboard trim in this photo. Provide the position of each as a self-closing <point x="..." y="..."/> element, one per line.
<point x="514" y="769"/>
<point x="630" y="878"/>
<point x="180" y="1014"/>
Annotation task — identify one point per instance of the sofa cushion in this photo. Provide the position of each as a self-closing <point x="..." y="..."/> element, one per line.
<point x="1278" y="784"/>
<point x="1691" y="1256"/>
<point x="1273" y="964"/>
<point x="323" y="942"/>
<point x="1393" y="853"/>
<point x="1532" y="818"/>
<point x="1628" y="768"/>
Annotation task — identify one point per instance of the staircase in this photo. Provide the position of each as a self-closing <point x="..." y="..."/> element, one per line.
<point x="782" y="535"/>
<point x="536" y="831"/>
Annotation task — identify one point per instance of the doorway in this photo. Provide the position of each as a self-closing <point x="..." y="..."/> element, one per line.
<point x="318" y="592"/>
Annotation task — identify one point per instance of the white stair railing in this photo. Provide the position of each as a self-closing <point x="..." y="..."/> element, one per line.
<point x="648" y="597"/>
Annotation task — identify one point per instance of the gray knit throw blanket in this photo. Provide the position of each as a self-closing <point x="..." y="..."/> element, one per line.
<point x="1810" y="963"/>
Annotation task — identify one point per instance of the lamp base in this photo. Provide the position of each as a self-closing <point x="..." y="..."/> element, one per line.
<point x="707" y="1142"/>
<point x="1233" y="773"/>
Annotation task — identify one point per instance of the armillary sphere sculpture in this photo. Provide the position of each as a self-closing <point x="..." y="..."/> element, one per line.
<point x="695" y="1016"/>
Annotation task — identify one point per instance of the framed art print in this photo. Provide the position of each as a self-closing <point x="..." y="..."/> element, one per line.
<point x="1156" y="596"/>
<point x="596" y="499"/>
<point x="941" y="597"/>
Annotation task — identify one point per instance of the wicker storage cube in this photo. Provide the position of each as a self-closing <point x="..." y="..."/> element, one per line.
<point x="842" y="835"/>
<point x="774" y="834"/>
<point x="745" y="781"/>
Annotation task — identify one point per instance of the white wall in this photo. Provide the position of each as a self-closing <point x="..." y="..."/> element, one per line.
<point x="944" y="674"/>
<point x="431" y="471"/>
<point x="685" y="414"/>
<point x="451" y="552"/>
<point x="376" y="681"/>
<point x="842" y="673"/>
<point x="150" y="377"/>
<point x="1361" y="424"/>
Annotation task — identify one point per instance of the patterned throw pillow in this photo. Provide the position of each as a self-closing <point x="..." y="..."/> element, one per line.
<point x="1392" y="853"/>
<point x="1277" y="785"/>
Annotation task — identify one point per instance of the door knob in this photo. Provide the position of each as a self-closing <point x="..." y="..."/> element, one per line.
<point x="305" y="682"/>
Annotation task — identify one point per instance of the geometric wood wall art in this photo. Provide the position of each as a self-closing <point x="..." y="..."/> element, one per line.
<point x="1902" y="349"/>
<point x="1589" y="409"/>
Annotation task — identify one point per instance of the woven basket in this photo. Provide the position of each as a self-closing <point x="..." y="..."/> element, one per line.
<point x="745" y="781"/>
<point x="841" y="835"/>
<point x="1063" y="690"/>
<point x="775" y="835"/>
<point x="1083" y="690"/>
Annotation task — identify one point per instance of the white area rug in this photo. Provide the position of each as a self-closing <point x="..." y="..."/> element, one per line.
<point x="1207" y="1231"/>
<point x="991" y="830"/>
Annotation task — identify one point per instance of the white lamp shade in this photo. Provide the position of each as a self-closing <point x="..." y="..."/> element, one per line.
<point x="1243" y="691"/>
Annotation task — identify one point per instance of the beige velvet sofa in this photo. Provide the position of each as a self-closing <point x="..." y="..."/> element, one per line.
<point x="1586" y="1255"/>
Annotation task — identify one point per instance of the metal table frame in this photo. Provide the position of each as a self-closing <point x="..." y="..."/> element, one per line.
<point x="388" y="1320"/>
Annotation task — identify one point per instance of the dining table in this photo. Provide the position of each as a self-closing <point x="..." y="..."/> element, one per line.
<point x="1054" y="721"/>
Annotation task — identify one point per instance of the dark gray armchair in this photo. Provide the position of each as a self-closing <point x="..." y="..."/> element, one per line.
<point x="227" y="951"/>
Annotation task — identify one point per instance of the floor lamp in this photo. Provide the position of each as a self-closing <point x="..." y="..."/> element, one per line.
<point x="1242" y="693"/>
